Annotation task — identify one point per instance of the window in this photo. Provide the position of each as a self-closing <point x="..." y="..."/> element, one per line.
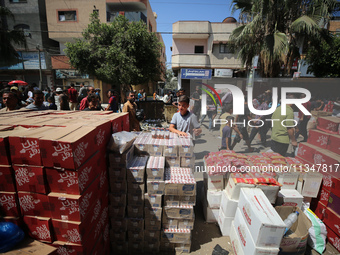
<point x="25" y="28"/>
<point x="18" y="1"/>
<point x="67" y="15"/>
<point x="225" y="48"/>
<point x="199" y="49"/>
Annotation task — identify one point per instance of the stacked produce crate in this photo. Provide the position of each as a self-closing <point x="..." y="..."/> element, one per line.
<point x="61" y="174"/>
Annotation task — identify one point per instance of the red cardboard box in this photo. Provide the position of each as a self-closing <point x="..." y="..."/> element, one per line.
<point x="7" y="181"/>
<point x="335" y="182"/>
<point x="327" y="180"/>
<point x="5" y="158"/>
<point x="334" y="144"/>
<point x="24" y="146"/>
<point x="69" y="148"/>
<point x="68" y="248"/>
<point x="332" y="220"/>
<point x="320" y="210"/>
<point x="30" y="179"/>
<point x="75" y="182"/>
<point x="39" y="228"/>
<point x="333" y="238"/>
<point x="328" y="124"/>
<point x="9" y="204"/>
<point x="327" y="158"/>
<point x="334" y="203"/>
<point x="120" y="122"/>
<point x="102" y="133"/>
<point x="75" y="207"/>
<point x="306" y="152"/>
<point x="34" y="204"/>
<point x="324" y="195"/>
<point x="318" y="138"/>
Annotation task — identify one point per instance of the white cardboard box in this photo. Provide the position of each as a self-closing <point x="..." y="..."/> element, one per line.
<point x="214" y="198"/>
<point x="210" y="214"/>
<point x="264" y="223"/>
<point x="235" y="241"/>
<point x="289" y="197"/>
<point x="309" y="184"/>
<point x="233" y="189"/>
<point x="248" y="245"/>
<point x="224" y="223"/>
<point x="213" y="182"/>
<point x="288" y="180"/>
<point x="270" y="192"/>
<point x="228" y="205"/>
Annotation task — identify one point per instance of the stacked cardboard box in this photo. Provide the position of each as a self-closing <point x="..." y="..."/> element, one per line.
<point x="178" y="211"/>
<point x="59" y="163"/>
<point x="257" y="227"/>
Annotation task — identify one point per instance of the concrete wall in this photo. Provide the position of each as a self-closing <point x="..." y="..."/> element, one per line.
<point x="187" y="46"/>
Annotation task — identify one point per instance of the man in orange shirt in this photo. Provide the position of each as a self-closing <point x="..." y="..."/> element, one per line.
<point x="131" y="107"/>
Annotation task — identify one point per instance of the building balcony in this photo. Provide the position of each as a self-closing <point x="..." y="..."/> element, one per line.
<point x="131" y="16"/>
<point x="190" y="60"/>
<point x="191" y="30"/>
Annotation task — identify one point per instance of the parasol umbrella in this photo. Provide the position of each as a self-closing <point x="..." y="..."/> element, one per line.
<point x="18" y="82"/>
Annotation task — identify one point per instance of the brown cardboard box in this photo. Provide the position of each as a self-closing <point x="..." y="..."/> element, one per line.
<point x="117" y="199"/>
<point x="152" y="236"/>
<point x="182" y="248"/>
<point x="152" y="224"/>
<point x="135" y="199"/>
<point x="170" y="148"/>
<point x="121" y="160"/>
<point x="188" y="162"/>
<point x="152" y="200"/>
<point x="155" y="187"/>
<point x="136" y="247"/>
<point x="28" y="245"/>
<point x="117" y="174"/>
<point x="155" y="147"/>
<point x="180" y="187"/>
<point x="151" y="246"/>
<point x="155" y="168"/>
<point x="136" y="235"/>
<point x="186" y="224"/>
<point x="119" y="224"/>
<point x="134" y="211"/>
<point x="172" y="161"/>
<point x="295" y="243"/>
<point x="136" y="187"/>
<point x="153" y="213"/>
<point x="135" y="224"/>
<point x="116" y="212"/>
<point x="118" y="235"/>
<point x="136" y="169"/>
<point x="176" y="235"/>
<point x="168" y="223"/>
<point x="140" y="143"/>
<point x="179" y="212"/>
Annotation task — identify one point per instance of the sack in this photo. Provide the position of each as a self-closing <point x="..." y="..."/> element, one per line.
<point x="120" y="142"/>
<point x="140" y="114"/>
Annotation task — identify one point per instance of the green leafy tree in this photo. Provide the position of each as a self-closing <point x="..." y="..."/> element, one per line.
<point x="171" y="81"/>
<point x="121" y="53"/>
<point x="277" y="30"/>
<point x="324" y="58"/>
<point x="9" y="38"/>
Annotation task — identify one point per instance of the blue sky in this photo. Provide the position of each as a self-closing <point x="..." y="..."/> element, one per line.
<point x="170" y="11"/>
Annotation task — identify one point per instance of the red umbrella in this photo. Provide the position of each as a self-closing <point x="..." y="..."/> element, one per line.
<point x="18" y="82"/>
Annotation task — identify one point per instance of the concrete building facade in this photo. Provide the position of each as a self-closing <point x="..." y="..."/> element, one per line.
<point x="203" y="45"/>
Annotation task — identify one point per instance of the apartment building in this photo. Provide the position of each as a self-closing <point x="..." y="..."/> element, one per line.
<point x="30" y="17"/>
<point x="66" y="19"/>
<point x="200" y="48"/>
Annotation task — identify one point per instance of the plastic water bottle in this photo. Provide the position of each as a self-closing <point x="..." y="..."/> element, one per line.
<point x="290" y="221"/>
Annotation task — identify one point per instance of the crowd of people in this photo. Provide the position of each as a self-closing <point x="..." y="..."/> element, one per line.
<point x="31" y="97"/>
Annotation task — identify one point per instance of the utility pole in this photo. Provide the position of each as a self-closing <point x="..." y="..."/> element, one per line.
<point x="40" y="74"/>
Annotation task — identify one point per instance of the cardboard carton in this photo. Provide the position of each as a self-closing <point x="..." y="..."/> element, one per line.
<point x="166" y="246"/>
<point x="318" y="138"/>
<point x="136" y="169"/>
<point x="179" y="212"/>
<point x="69" y="148"/>
<point x="320" y="210"/>
<point x="39" y="228"/>
<point x="117" y="174"/>
<point x="136" y="236"/>
<point x="7" y="180"/>
<point x="140" y="144"/>
<point x="288" y="180"/>
<point x="296" y="242"/>
<point x="310" y="184"/>
<point x="332" y="220"/>
<point x="168" y="223"/>
<point x="187" y="162"/>
<point x="155" y="187"/>
<point x="180" y="187"/>
<point x="75" y="182"/>
<point x="214" y="198"/>
<point x="248" y="244"/>
<point x="170" y="148"/>
<point x="172" y="161"/>
<point x="117" y="199"/>
<point x="68" y="248"/>
<point x="152" y="236"/>
<point x="334" y="203"/>
<point x="24" y="145"/>
<point x="210" y="214"/>
<point x="135" y="199"/>
<point x="213" y="182"/>
<point x="136" y="187"/>
<point x="186" y="224"/>
<point x="116" y="212"/>
<point x="224" y="223"/>
<point x="234" y="186"/>
<point x="333" y="238"/>
<point x="151" y="246"/>
<point x="176" y="235"/>
<point x="182" y="248"/>
<point x="185" y="147"/>
<point x="135" y="224"/>
<point x="152" y="200"/>
<point x="334" y="182"/>
<point x="119" y="224"/>
<point x="121" y="160"/>
<point x="324" y="195"/>
<point x="30" y="179"/>
<point x="152" y="224"/>
<point x="306" y="151"/>
<point x="34" y="204"/>
<point x="228" y="205"/>
<point x="264" y="223"/>
<point x="118" y="186"/>
<point x="118" y="235"/>
<point x="155" y="168"/>
<point x="28" y="245"/>
<point x="328" y="124"/>
<point x="135" y="211"/>
<point x="153" y="213"/>
<point x="333" y="144"/>
<point x="9" y="205"/>
<point x="235" y="241"/>
<point x="136" y="247"/>
<point x="289" y="197"/>
<point x="155" y="147"/>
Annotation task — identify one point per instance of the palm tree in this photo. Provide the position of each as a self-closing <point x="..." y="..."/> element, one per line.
<point x="277" y="30"/>
<point x="8" y="38"/>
